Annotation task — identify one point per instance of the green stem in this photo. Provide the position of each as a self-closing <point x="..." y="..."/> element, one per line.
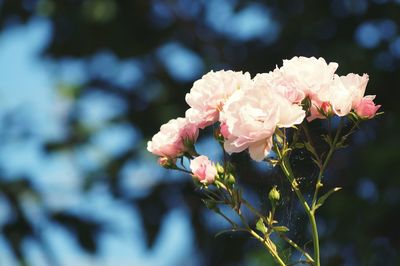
<point x="285" y="166"/>
<point x="293" y="244"/>
<point x="233" y="224"/>
<point x="332" y="148"/>
<point x="282" y="236"/>
<point x="264" y="241"/>
<point x="310" y="140"/>
<point x="314" y="230"/>
<point x="182" y="170"/>
<point x="266" y="245"/>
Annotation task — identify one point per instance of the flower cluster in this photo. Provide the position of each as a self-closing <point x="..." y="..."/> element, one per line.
<point x="249" y="110"/>
<point x="268" y="112"/>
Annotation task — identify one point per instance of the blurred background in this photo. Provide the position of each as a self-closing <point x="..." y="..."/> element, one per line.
<point x="84" y="84"/>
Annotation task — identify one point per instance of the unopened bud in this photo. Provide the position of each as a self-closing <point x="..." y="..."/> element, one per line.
<point x="306" y="103"/>
<point x="220" y="169"/>
<point x="167" y="162"/>
<point x="231" y="179"/>
<point x="274" y="195"/>
<point x="326" y="109"/>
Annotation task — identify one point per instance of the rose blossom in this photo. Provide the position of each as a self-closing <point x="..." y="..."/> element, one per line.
<point x="308" y="74"/>
<point x="284" y="85"/>
<point x="356" y="85"/>
<point x="203" y="169"/>
<point x="208" y="95"/>
<point x="366" y="107"/>
<point x="337" y="95"/>
<point x="341" y="94"/>
<point x="251" y="116"/>
<point x="170" y="141"/>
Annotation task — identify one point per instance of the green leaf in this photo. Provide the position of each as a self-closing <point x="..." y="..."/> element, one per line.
<point x="279" y="136"/>
<point x="322" y="199"/>
<point x="261" y="226"/>
<point x="353" y="117"/>
<point x="281" y="228"/>
<point x="211" y="204"/>
<point x="270" y="244"/>
<point x="225" y="232"/>
<point x="299" y="145"/>
<point x="286" y="151"/>
<point x="327" y="139"/>
<point x="311" y="149"/>
<point x="318" y="163"/>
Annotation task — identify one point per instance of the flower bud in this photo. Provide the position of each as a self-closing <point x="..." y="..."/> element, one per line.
<point x="326" y="109"/>
<point x="274" y="195"/>
<point x="203" y="169"/>
<point x="167" y="162"/>
<point x="367" y="109"/>
<point x="231" y="179"/>
<point x="220" y="168"/>
<point x="306" y="103"/>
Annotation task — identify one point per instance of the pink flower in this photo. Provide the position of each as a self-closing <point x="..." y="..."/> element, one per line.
<point x="356" y="85"/>
<point x="224" y="130"/>
<point x="308" y="74"/>
<point x="341" y="94"/>
<point x="170" y="141"/>
<point x="366" y="107"/>
<point x="284" y="85"/>
<point x="203" y="169"/>
<point x="252" y="114"/>
<point x="337" y="95"/>
<point x="208" y="95"/>
<point x="326" y="108"/>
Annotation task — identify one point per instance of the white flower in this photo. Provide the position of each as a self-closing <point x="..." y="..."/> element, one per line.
<point x="208" y="95"/>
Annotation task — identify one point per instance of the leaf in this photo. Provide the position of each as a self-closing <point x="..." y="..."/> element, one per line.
<point x="260" y="226"/>
<point x="299" y="145"/>
<point x="286" y="151"/>
<point x="279" y="136"/>
<point x="211" y="204"/>
<point x="224" y="232"/>
<point x="327" y="139"/>
<point x="311" y="149"/>
<point x="353" y="117"/>
<point x="318" y="163"/>
<point x="270" y="244"/>
<point x="279" y="139"/>
<point x="322" y="199"/>
<point x="281" y="228"/>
